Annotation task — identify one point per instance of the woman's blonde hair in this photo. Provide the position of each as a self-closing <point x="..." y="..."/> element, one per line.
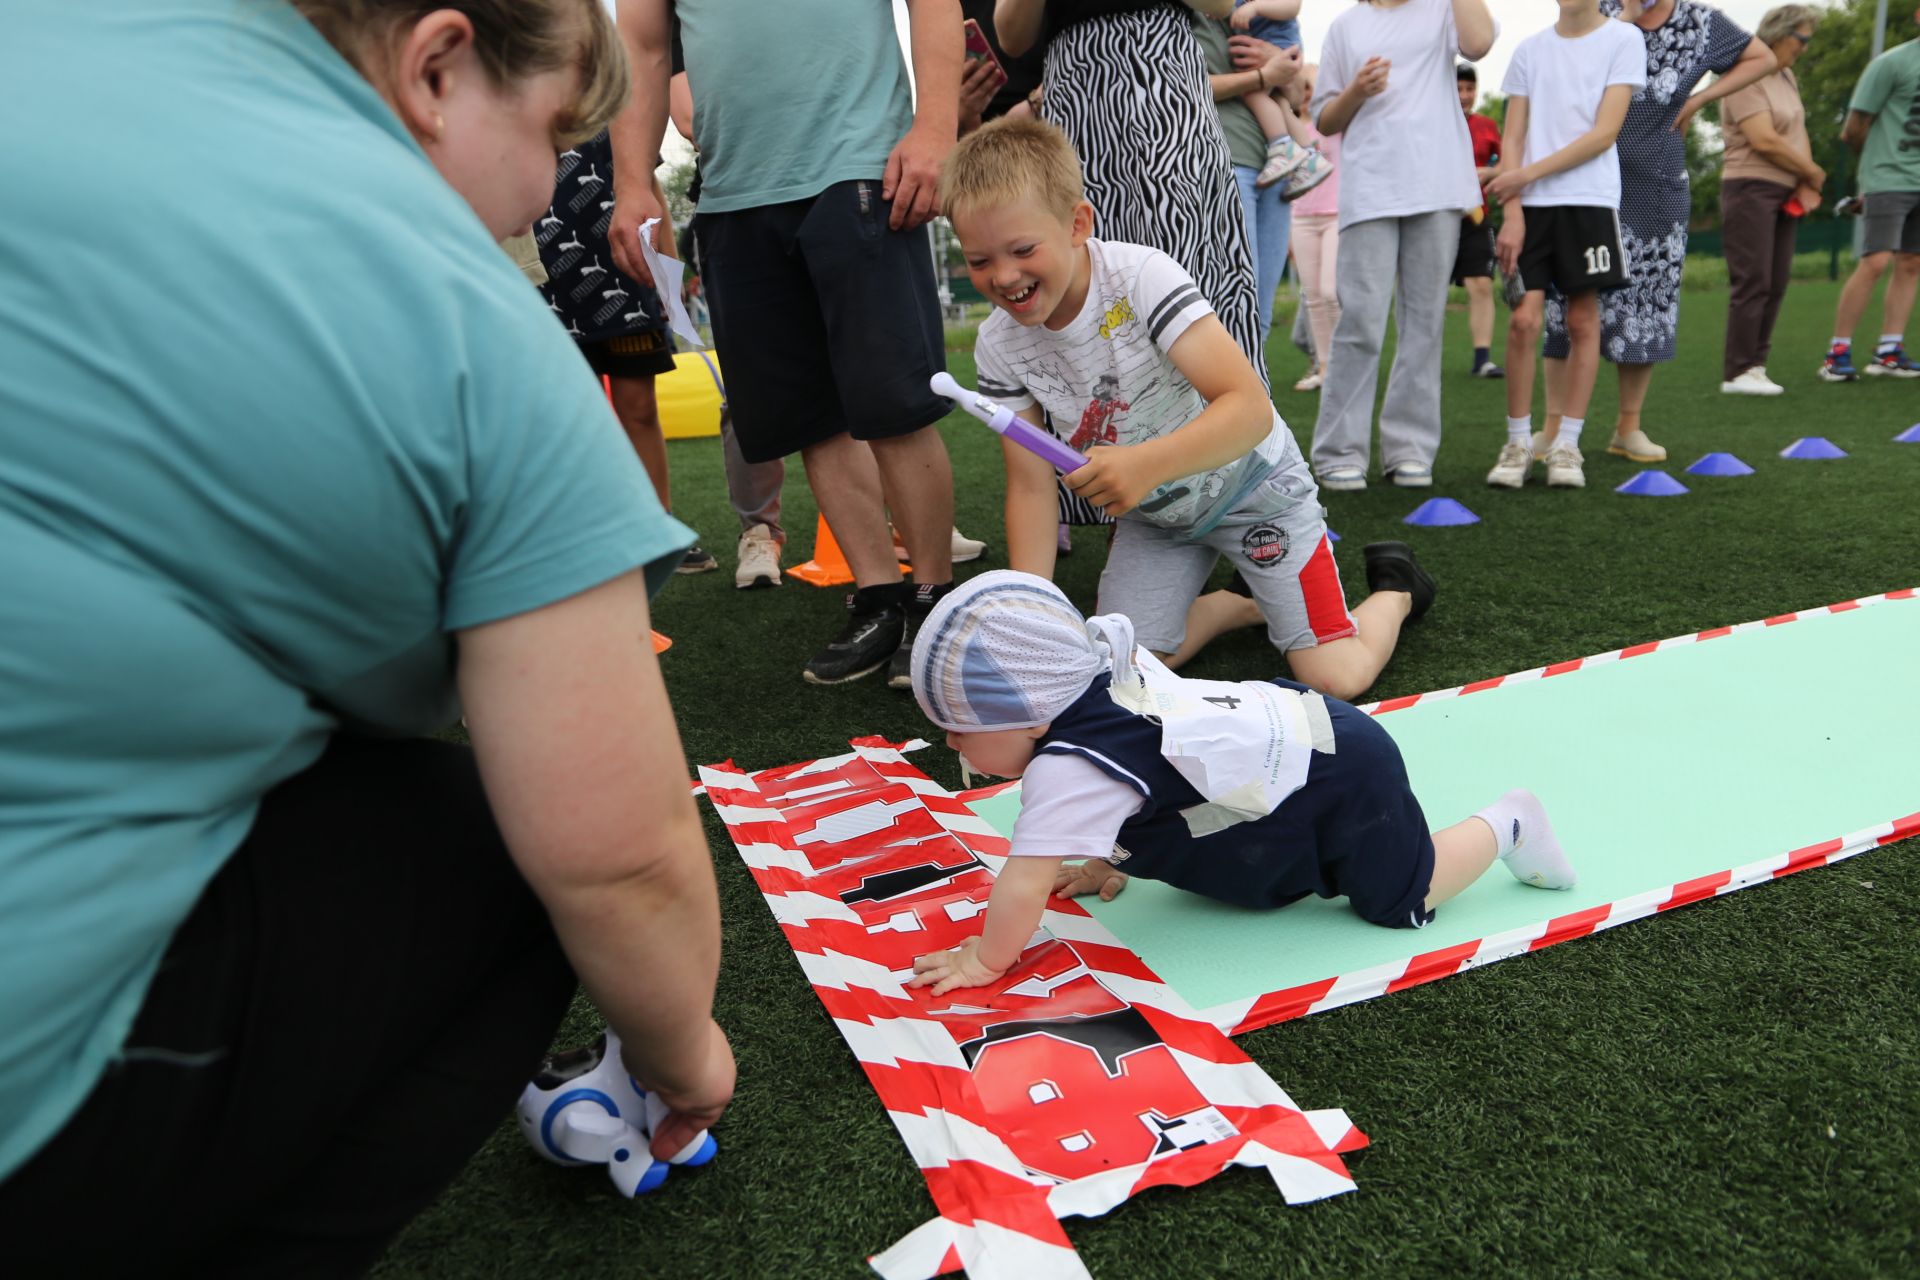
<point x="1783" y="20"/>
<point x="515" y="40"/>
<point x="1008" y="161"/>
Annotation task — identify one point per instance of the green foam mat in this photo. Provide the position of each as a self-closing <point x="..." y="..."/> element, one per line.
<point x="1659" y="764"/>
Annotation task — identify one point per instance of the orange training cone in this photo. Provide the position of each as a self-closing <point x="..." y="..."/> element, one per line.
<point x="828" y="568"/>
<point x="660" y="643"/>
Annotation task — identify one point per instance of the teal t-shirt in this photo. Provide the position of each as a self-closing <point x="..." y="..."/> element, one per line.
<point x="793" y="98"/>
<point x="1889" y="91"/>
<point x="277" y="419"/>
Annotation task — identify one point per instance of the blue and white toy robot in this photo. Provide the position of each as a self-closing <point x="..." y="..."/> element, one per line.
<point x="583" y="1108"/>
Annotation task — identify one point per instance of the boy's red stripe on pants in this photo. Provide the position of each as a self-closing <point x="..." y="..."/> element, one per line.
<point x="1326" y="602"/>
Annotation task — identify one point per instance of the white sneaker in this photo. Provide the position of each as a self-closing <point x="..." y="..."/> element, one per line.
<point x="1753" y="382"/>
<point x="1315" y="170"/>
<point x="1564" y="468"/>
<point x="1343" y="480"/>
<point x="759" y="559"/>
<point x="1284" y="155"/>
<point x="1311" y="382"/>
<point x="965" y="548"/>
<point x="1510" y="471"/>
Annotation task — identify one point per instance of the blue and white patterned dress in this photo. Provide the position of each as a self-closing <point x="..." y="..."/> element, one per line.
<point x="1638" y="321"/>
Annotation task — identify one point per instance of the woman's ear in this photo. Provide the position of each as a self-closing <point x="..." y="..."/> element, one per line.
<point x="429" y="63"/>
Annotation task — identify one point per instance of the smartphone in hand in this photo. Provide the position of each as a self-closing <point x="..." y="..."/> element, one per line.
<point x="979" y="50"/>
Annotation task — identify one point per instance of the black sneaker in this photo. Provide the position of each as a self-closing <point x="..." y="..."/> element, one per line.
<point x="1391" y="566"/>
<point x="870" y="638"/>
<point x="697" y="560"/>
<point x="919" y="605"/>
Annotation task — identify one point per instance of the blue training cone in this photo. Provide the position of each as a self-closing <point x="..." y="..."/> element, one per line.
<point x="1719" y="464"/>
<point x="1652" y="484"/>
<point x="1332" y="536"/>
<point x="1440" y="513"/>
<point x="1910" y="436"/>
<point x="1811" y="448"/>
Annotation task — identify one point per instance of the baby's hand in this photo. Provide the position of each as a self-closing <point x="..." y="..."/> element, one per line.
<point x="1372" y="80"/>
<point x="1095" y="875"/>
<point x="960" y="967"/>
<point x="1113" y="478"/>
<point x="1242" y="19"/>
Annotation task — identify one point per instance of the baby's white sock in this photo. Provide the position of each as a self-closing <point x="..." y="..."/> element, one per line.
<point x="1526" y="841"/>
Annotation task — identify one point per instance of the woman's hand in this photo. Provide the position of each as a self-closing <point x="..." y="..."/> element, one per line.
<point x="1095" y="875"/>
<point x="1808" y="196"/>
<point x="1687" y="109"/>
<point x="982" y="80"/>
<point x="1115" y="477"/>
<point x="1371" y="80"/>
<point x="696" y="1099"/>
<point x="1276" y="66"/>
<point x="960" y="967"/>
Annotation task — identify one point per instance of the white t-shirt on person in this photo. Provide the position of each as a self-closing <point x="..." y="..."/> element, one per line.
<point x="1407" y="150"/>
<point x="1109" y="378"/>
<point x="1563" y="80"/>
<point x="1070" y="808"/>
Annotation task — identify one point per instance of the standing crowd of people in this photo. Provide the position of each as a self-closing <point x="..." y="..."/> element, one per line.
<point x="328" y="474"/>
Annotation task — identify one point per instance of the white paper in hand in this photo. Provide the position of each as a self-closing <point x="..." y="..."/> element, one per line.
<point x="666" y="282"/>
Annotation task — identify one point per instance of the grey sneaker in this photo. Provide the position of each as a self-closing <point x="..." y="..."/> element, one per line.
<point x="1564" y="468"/>
<point x="758" y="562"/>
<point x="1510" y="472"/>
<point x="1343" y="480"/>
<point x="870" y="638"/>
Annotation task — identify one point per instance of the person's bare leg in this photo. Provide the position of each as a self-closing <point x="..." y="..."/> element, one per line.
<point x="1480" y="311"/>
<point x="1633" y="396"/>
<point x="1523" y="339"/>
<point x="917" y="478"/>
<point x="1857" y="292"/>
<point x="846" y="485"/>
<point x="1267" y="113"/>
<point x="1347" y="668"/>
<point x="1212" y="616"/>
<point x="639" y="413"/>
<point x="1553" y="374"/>
<point x="1583" y="355"/>
<point x="1897" y="306"/>
<point x="1461" y="854"/>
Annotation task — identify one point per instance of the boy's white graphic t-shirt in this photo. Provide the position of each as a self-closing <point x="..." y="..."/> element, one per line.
<point x="1107" y="378"/>
<point x="1563" y="81"/>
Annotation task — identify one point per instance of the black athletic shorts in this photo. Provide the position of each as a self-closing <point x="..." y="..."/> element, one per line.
<point x="635" y="355"/>
<point x="825" y="320"/>
<point x="1474" y="258"/>
<point x="1576" y="248"/>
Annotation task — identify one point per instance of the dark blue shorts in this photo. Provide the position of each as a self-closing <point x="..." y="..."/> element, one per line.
<point x="825" y="320"/>
<point x="1353" y="830"/>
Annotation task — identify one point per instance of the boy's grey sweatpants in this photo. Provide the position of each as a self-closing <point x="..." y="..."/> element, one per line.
<point x="1405" y="263"/>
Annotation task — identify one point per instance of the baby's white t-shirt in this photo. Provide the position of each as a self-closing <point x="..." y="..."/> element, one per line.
<point x="1563" y="80"/>
<point x="1406" y="150"/>
<point x="1071" y="808"/>
<point x="1108" y="378"/>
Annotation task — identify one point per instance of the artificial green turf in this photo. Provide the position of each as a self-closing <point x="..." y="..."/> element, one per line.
<point x="1729" y="1090"/>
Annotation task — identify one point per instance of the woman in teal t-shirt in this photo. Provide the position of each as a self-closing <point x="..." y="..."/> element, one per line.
<point x="293" y="466"/>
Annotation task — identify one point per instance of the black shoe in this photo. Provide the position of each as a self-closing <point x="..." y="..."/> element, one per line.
<point x="697" y="560"/>
<point x="870" y="638"/>
<point x="919" y="605"/>
<point x="1489" y="370"/>
<point x="1391" y="566"/>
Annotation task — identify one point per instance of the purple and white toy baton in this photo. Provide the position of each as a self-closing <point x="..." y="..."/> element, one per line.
<point x="1033" y="439"/>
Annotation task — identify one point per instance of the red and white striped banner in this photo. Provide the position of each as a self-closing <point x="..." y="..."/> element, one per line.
<point x="1075" y="1082"/>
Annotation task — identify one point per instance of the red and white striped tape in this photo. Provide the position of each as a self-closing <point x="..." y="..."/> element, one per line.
<point x="1069" y="1086"/>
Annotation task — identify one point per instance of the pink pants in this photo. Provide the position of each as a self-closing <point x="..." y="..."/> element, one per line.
<point x="1316" y="247"/>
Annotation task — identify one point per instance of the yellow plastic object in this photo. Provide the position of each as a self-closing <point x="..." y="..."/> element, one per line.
<point x="691" y="396"/>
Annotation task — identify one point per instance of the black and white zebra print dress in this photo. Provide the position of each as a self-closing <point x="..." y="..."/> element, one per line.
<point x="1130" y="91"/>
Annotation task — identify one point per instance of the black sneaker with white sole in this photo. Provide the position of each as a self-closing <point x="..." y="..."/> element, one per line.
<point x="1391" y="566"/>
<point x="864" y="645"/>
<point x="696" y="560"/>
<point x="919" y="605"/>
